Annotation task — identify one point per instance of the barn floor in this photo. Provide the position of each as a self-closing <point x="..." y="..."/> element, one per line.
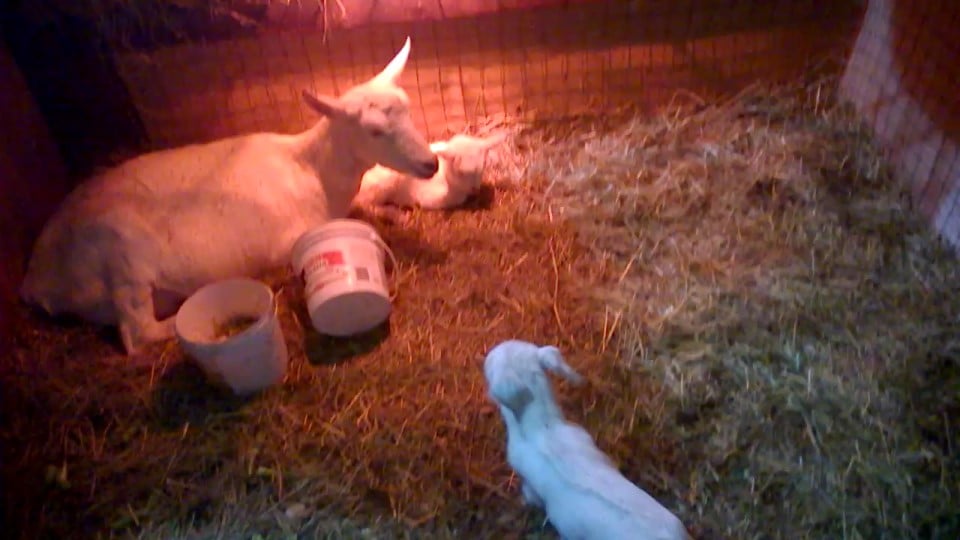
<point x="770" y="341"/>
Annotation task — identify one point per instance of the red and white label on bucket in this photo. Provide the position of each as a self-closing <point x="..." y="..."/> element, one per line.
<point x="323" y="260"/>
<point x="323" y="268"/>
<point x="326" y="277"/>
<point x="328" y="267"/>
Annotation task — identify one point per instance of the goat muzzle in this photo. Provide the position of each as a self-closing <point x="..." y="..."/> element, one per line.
<point x="427" y="169"/>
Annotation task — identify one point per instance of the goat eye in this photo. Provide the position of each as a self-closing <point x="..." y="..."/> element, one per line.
<point x="375" y="132"/>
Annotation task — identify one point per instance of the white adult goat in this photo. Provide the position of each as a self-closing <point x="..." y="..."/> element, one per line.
<point x="126" y="247"/>
<point x="462" y="160"/>
<point x="584" y="495"/>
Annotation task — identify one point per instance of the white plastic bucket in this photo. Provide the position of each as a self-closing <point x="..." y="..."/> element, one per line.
<point x="245" y="362"/>
<point x="341" y="264"/>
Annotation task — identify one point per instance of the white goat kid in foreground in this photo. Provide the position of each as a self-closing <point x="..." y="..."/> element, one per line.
<point x="126" y="247"/>
<point x="462" y="160"/>
<point x="583" y="494"/>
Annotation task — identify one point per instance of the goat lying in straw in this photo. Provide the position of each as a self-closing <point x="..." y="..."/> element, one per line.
<point x="462" y="159"/>
<point x="129" y="245"/>
<point x="584" y="495"/>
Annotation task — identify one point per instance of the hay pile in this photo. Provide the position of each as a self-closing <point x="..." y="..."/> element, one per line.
<point x="770" y="341"/>
<point x="384" y="433"/>
<point x="801" y="322"/>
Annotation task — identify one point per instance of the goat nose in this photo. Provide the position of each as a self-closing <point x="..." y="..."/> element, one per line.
<point x="431" y="167"/>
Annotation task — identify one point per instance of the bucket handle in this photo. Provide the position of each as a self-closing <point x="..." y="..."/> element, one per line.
<point x="393" y="262"/>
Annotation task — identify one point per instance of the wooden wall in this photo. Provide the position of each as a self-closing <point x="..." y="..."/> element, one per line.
<point x="902" y="76"/>
<point x="32" y="181"/>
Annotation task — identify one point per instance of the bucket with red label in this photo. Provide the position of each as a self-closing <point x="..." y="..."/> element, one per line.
<point x="341" y="264"/>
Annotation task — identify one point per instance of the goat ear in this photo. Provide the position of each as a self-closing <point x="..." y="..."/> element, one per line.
<point x="552" y="359"/>
<point x="323" y="105"/>
<point x="391" y="73"/>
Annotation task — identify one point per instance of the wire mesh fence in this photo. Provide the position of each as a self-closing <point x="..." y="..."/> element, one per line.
<point x="175" y="73"/>
<point x="550" y="60"/>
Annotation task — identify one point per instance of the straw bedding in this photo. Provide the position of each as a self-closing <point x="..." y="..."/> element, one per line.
<point x="768" y="334"/>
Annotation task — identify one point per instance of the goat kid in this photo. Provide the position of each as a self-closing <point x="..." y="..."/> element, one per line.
<point x="563" y="472"/>
<point x="127" y="246"/>
<point x="462" y="159"/>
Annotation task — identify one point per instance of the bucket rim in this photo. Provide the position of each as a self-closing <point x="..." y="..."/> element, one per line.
<point x="328" y="230"/>
<point x="262" y="318"/>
